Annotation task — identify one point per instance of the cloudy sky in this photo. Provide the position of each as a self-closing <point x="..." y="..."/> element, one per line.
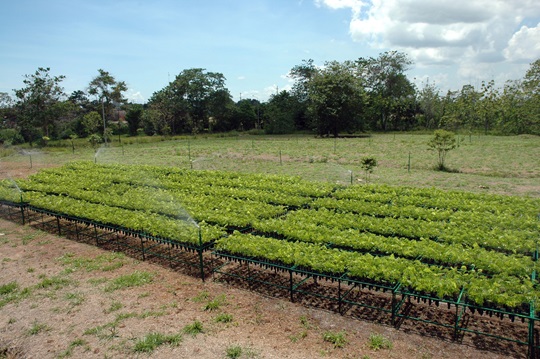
<point x="254" y="43"/>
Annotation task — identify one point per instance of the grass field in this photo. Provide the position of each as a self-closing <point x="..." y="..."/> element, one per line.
<point x="503" y="165"/>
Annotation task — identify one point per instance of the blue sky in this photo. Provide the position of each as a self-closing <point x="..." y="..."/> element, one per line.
<point x="254" y="43"/>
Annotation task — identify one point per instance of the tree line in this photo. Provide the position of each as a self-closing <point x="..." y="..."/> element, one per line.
<point x="367" y="94"/>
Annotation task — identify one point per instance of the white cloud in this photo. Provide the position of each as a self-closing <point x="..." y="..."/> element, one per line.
<point x="432" y="31"/>
<point x="524" y="44"/>
<point x="241" y="77"/>
<point x="355" y="5"/>
<point x="135" y="96"/>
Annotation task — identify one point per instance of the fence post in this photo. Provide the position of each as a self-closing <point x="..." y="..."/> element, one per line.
<point x="200" y="252"/>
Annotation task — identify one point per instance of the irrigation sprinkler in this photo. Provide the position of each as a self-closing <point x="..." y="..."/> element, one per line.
<point x="409" y="164"/>
<point x="280" y="163"/>
<point x="189" y="152"/>
<point x="30" y="156"/>
<point x="351" y="172"/>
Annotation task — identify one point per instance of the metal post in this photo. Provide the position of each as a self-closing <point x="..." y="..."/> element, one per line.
<point x="96" y="235"/>
<point x="22" y="207"/>
<point x="291" y="285"/>
<point x="394" y="303"/>
<point x="458" y="314"/>
<point x="142" y="247"/>
<point x="200" y="250"/>
<point x="22" y="214"/>
<point x="532" y="346"/>
<point x="339" y="297"/>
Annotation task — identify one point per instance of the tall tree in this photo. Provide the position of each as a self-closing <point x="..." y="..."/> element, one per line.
<point x="386" y="84"/>
<point x="488" y="109"/>
<point x="192" y="101"/>
<point x="7" y="111"/>
<point x="39" y="104"/>
<point x="431" y="106"/>
<point x="302" y="74"/>
<point x="282" y="112"/>
<point x="531" y="92"/>
<point x="109" y="92"/>
<point x="511" y="101"/>
<point x="336" y="98"/>
<point x="134" y="118"/>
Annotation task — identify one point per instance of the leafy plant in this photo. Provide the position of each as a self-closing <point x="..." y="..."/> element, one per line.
<point x="75" y="298"/>
<point x="368" y="164"/>
<point x="234" y="351"/>
<point x="223" y="318"/>
<point x="151" y="341"/>
<point x="37" y="328"/>
<point x="201" y="296"/>
<point x="215" y="303"/>
<point x="442" y="141"/>
<point x="338" y="339"/>
<point x="115" y="305"/>
<point x="55" y="282"/>
<point x="10" y="293"/>
<point x="134" y="279"/>
<point x="9" y="288"/>
<point x="69" y="351"/>
<point x="378" y="341"/>
<point x="194" y="328"/>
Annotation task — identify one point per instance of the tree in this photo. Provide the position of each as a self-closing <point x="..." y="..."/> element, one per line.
<point x="368" y="164"/>
<point x="39" y="104"/>
<point x="531" y="82"/>
<point x="248" y="113"/>
<point x="109" y="92"/>
<point x="430" y="105"/>
<point x="7" y="111"/>
<point x="333" y="94"/>
<point x="5" y="102"/>
<point x="386" y="85"/>
<point x="531" y="96"/>
<point x="192" y="101"/>
<point x="302" y="74"/>
<point x="281" y="113"/>
<point x="91" y="122"/>
<point x="336" y="99"/>
<point x="442" y="141"/>
<point x="134" y="118"/>
<point x="488" y="106"/>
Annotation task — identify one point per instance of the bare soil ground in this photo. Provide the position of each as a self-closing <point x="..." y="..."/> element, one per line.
<point x="62" y="298"/>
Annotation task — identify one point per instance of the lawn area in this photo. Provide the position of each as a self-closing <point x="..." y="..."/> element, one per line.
<point x="487" y="164"/>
